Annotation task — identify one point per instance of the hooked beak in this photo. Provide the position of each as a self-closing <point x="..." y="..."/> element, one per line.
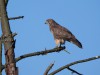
<point x="46" y="22"/>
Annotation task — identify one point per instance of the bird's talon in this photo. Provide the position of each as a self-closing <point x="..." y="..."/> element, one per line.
<point x="61" y="34"/>
<point x="64" y="47"/>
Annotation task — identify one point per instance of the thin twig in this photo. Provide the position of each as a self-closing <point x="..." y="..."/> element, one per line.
<point x="67" y="51"/>
<point x="48" y="68"/>
<point x="73" y="71"/>
<point x="73" y="63"/>
<point x="14" y="18"/>
<point x="14" y="34"/>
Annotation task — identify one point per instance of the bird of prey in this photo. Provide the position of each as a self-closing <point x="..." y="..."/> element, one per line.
<point x="61" y="34"/>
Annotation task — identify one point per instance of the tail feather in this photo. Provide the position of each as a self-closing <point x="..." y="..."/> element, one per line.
<point x="76" y="42"/>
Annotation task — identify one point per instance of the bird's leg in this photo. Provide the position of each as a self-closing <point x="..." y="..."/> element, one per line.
<point x="60" y="45"/>
<point x="57" y="46"/>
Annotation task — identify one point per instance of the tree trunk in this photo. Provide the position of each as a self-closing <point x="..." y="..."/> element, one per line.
<point x="0" y="57"/>
<point x="8" y="41"/>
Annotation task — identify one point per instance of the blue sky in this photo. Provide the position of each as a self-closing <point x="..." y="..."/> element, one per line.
<point x="81" y="17"/>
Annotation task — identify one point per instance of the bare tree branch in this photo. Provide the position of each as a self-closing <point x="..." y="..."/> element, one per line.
<point x="73" y="71"/>
<point x="14" y="18"/>
<point x="39" y="53"/>
<point x="73" y="63"/>
<point x="48" y="69"/>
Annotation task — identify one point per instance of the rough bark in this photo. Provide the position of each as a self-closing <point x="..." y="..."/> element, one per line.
<point x="8" y="41"/>
<point x="0" y="57"/>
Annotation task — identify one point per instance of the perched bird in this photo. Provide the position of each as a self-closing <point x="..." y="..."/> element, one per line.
<point x="61" y="34"/>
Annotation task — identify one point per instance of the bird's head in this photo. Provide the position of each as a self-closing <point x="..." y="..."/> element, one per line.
<point x="49" y="21"/>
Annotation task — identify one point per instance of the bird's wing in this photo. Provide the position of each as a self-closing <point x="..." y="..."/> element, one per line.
<point x="60" y="32"/>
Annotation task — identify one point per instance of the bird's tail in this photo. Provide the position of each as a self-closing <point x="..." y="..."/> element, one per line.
<point x="76" y="42"/>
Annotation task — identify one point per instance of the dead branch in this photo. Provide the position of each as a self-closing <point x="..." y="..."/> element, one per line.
<point x="73" y="71"/>
<point x="39" y="53"/>
<point x="14" y="18"/>
<point x="74" y="63"/>
<point x="48" y="69"/>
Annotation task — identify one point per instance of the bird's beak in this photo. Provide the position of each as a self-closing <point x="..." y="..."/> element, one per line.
<point x="46" y="22"/>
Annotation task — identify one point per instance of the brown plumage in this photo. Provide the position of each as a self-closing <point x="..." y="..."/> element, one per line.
<point x="62" y="34"/>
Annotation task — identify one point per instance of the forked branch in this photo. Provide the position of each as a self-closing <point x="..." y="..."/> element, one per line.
<point x="73" y="63"/>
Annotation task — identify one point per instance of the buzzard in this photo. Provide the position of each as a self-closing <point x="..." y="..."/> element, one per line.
<point x="61" y="34"/>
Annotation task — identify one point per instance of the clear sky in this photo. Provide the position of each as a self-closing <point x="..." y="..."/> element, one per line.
<point x="81" y="17"/>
